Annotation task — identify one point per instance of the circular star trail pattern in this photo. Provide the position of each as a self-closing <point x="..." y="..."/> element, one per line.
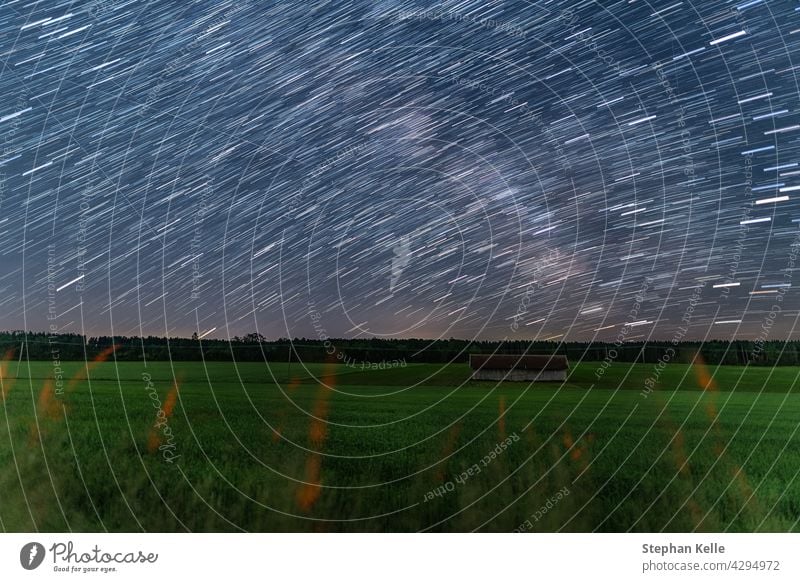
<point x="404" y="168"/>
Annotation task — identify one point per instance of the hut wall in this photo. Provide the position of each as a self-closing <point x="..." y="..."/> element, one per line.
<point x="520" y="375"/>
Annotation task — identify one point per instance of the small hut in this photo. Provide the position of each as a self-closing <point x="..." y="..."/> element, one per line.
<point x="518" y="368"/>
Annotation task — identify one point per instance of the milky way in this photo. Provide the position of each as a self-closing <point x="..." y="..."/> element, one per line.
<point x="466" y="169"/>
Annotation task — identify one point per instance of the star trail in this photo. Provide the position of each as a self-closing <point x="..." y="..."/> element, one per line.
<point x="486" y="169"/>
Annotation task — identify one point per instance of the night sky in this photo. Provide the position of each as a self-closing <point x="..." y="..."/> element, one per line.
<point x="473" y="169"/>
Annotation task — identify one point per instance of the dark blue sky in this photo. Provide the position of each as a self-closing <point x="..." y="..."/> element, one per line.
<point x="469" y="169"/>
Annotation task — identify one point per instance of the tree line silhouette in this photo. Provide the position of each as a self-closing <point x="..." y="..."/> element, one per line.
<point x="255" y="347"/>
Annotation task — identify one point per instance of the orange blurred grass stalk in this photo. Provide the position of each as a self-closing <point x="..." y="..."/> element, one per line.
<point x="83" y="373"/>
<point x="738" y="476"/>
<point x="6" y="383"/>
<point x="578" y="451"/>
<point x="48" y="408"/>
<point x="309" y="491"/>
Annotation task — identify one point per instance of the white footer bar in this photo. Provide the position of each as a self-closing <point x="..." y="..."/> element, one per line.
<point x="400" y="557"/>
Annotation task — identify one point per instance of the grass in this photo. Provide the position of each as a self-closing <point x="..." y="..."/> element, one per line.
<point x="259" y="449"/>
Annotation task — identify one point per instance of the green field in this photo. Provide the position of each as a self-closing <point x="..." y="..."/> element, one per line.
<point x="251" y="447"/>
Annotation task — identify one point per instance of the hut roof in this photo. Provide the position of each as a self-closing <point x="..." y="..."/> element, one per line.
<point x="510" y="362"/>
